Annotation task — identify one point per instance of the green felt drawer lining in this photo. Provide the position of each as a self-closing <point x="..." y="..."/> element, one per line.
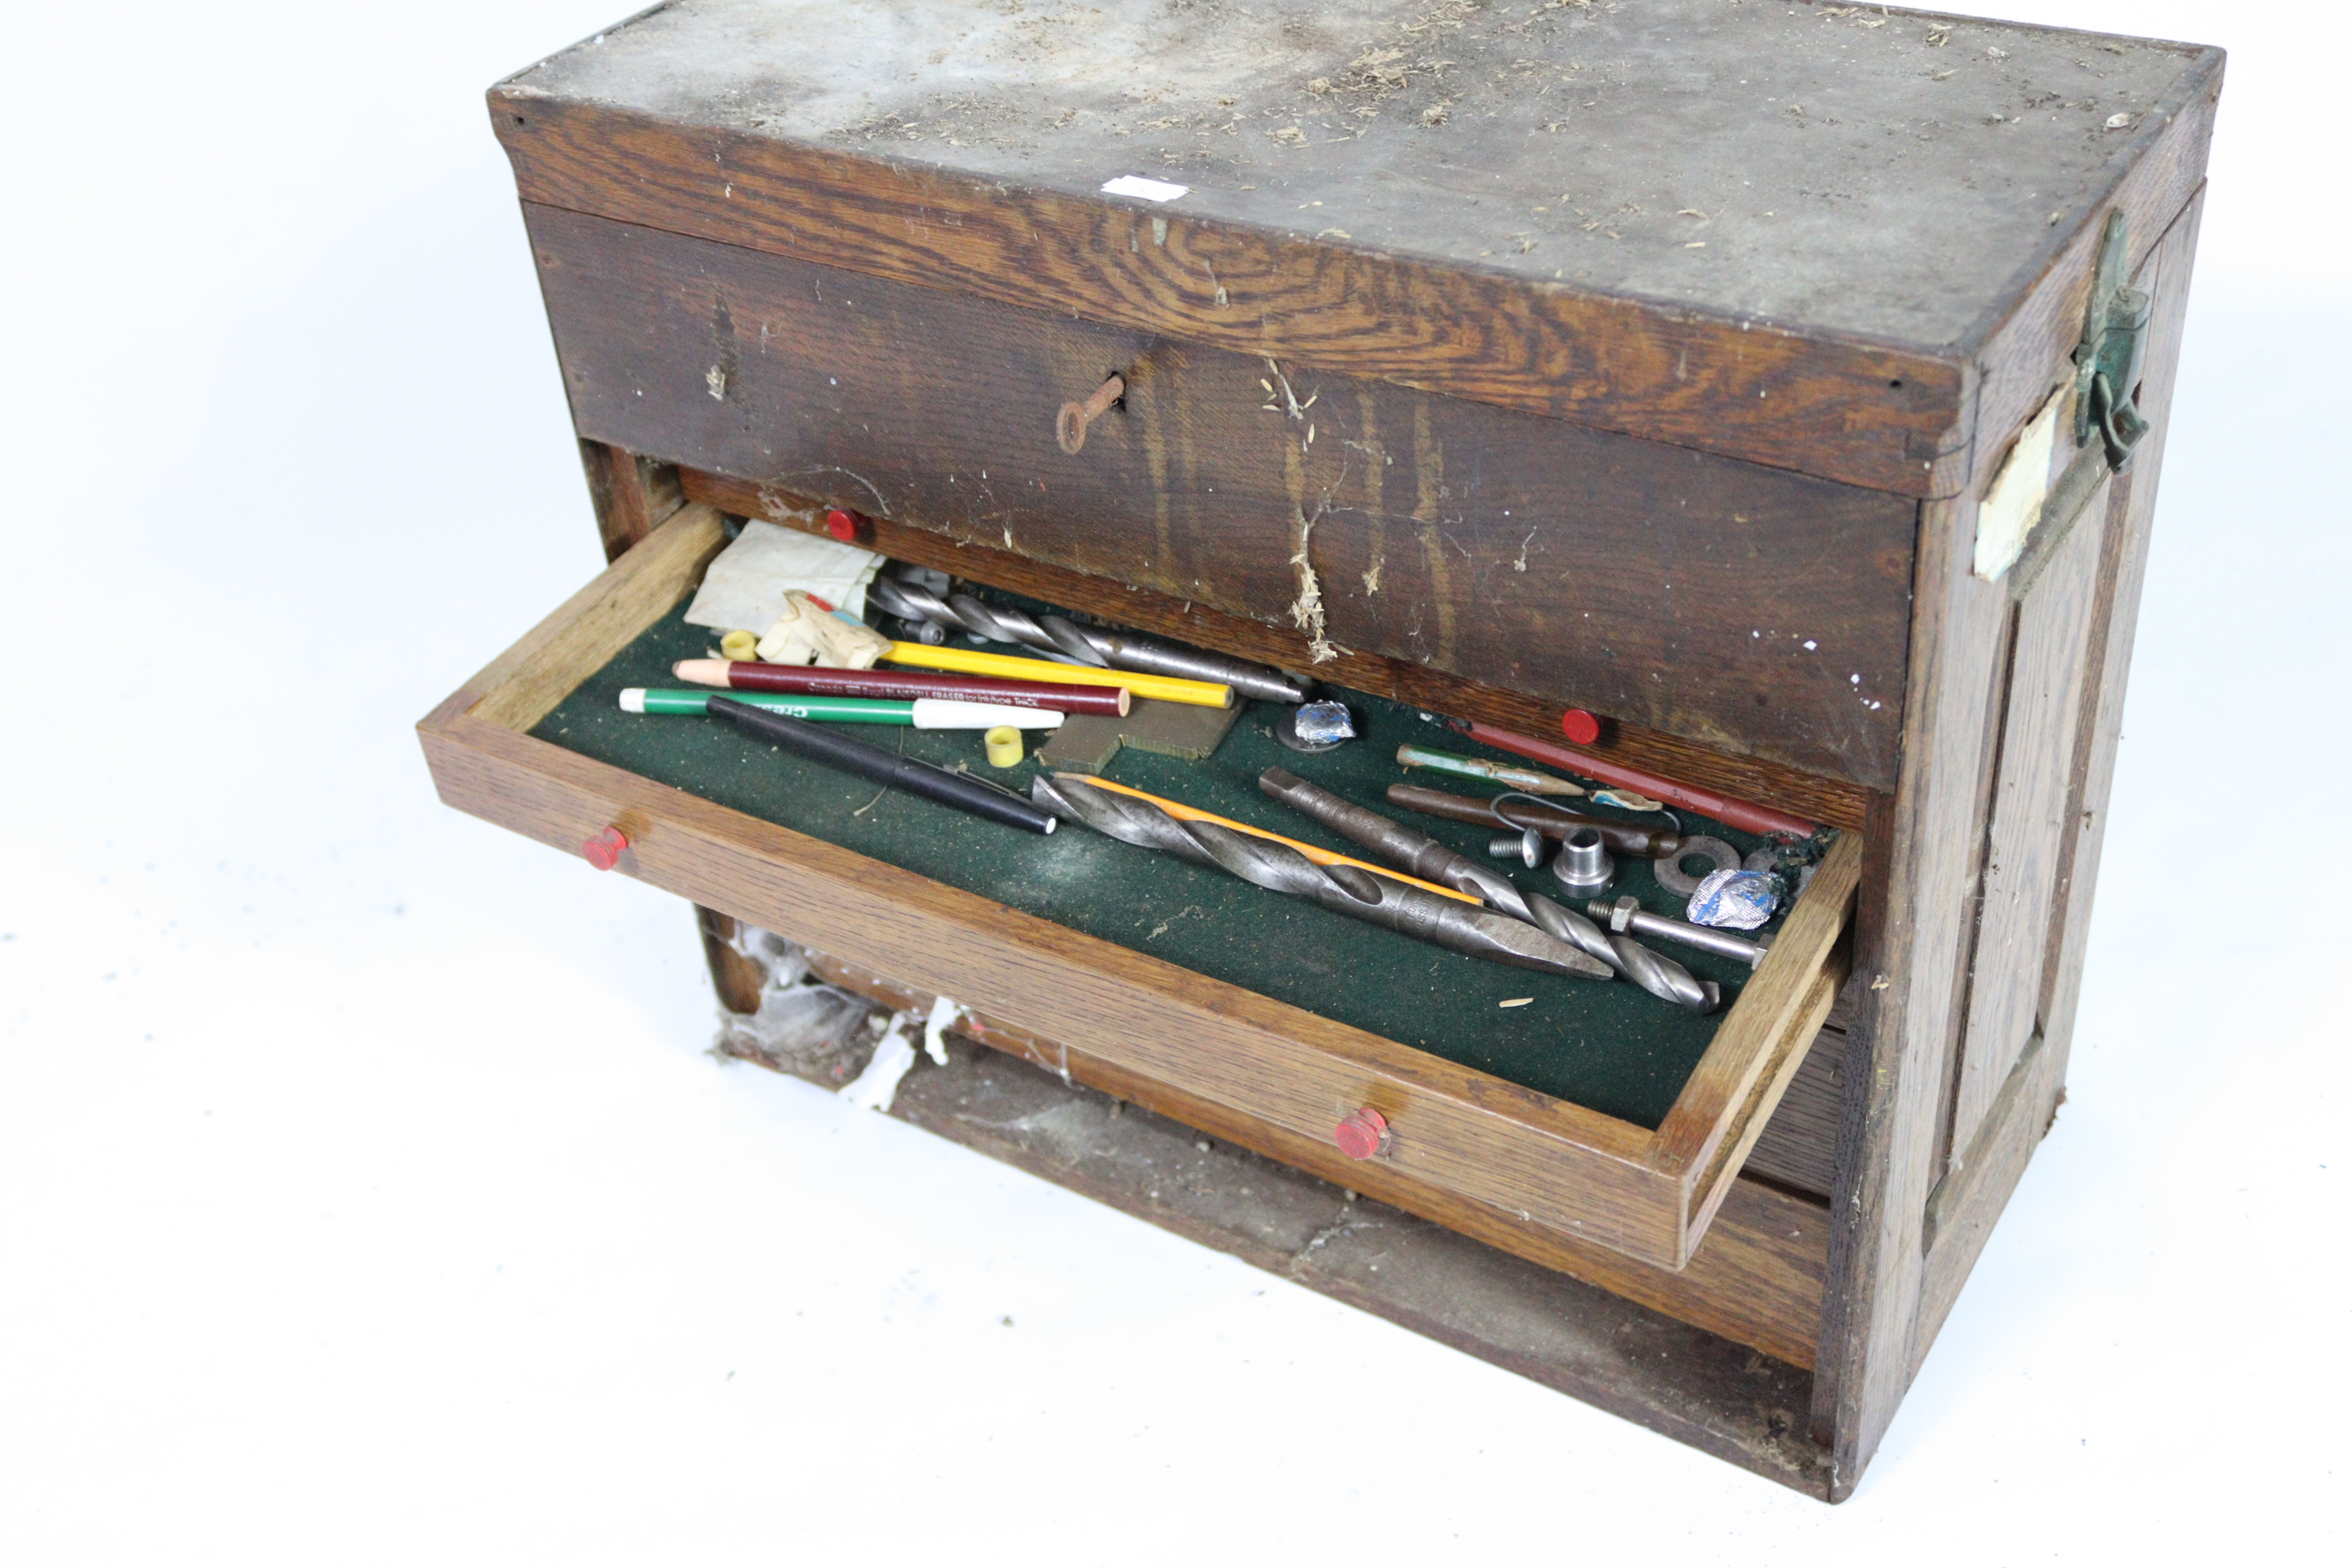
<point x="1609" y="1047"/>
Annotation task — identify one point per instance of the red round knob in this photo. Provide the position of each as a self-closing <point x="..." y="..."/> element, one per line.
<point x="841" y="525"/>
<point x="1363" y="1134"/>
<point x="603" y="851"/>
<point x="1580" y="727"/>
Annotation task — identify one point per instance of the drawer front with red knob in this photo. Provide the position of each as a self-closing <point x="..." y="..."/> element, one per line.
<point x="1759" y="611"/>
<point x="1649" y="1194"/>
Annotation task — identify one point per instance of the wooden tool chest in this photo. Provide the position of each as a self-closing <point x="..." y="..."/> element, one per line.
<point x="1785" y="384"/>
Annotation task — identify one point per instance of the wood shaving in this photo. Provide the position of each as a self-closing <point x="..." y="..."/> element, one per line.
<point x="1306" y="610"/>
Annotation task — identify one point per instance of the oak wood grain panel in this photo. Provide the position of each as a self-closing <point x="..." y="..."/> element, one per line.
<point x="1965" y="1204"/>
<point x="1781" y="1060"/>
<point x="2130" y="529"/>
<point x="1755" y="1278"/>
<point x="1886" y="1166"/>
<point x="1970" y="891"/>
<point x="523" y="685"/>
<point x="1798" y="1148"/>
<point x="1994" y="1156"/>
<point x="1887" y="1297"/>
<point x="1560" y="1164"/>
<point x="736" y="978"/>
<point x="1760" y="1025"/>
<point x="1745" y="609"/>
<point x="2006" y="1139"/>
<point x="1824" y="800"/>
<point x="631" y="495"/>
<point x="1866" y="414"/>
<point x="2029" y="825"/>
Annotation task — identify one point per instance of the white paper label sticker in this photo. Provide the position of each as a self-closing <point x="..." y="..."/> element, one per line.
<point x="2013" y="502"/>
<point x="1149" y="190"/>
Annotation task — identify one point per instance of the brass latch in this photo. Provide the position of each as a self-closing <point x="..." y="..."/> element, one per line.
<point x="2108" y="362"/>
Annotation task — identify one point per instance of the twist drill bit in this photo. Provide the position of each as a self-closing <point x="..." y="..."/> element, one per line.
<point x="1081" y="645"/>
<point x="1345" y="889"/>
<point x="1424" y="857"/>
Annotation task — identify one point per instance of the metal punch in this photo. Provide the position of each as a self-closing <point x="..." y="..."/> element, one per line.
<point x="1424" y="857"/>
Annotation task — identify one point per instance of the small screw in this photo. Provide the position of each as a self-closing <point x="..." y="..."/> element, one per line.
<point x="1070" y="428"/>
<point x="1525" y="846"/>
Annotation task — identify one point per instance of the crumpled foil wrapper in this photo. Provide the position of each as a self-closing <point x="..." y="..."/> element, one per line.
<point x="1734" y="899"/>
<point x="1322" y="723"/>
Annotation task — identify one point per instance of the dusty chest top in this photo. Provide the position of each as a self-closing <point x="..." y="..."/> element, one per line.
<point x="1887" y="183"/>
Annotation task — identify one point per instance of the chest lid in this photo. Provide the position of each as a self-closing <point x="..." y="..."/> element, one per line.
<point x="1814" y="237"/>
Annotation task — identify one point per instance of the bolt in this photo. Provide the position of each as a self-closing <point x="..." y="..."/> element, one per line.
<point x="1526" y="846"/>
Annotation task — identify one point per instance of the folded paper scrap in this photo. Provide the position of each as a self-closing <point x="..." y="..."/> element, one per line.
<point x="746" y="583"/>
<point x="806" y="634"/>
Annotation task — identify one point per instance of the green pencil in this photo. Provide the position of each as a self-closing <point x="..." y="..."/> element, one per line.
<point x="922" y="713"/>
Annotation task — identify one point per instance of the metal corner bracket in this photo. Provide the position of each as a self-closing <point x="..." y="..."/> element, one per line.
<point x="2107" y="361"/>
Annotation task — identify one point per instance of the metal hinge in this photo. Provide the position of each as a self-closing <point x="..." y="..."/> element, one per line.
<point x="2107" y="361"/>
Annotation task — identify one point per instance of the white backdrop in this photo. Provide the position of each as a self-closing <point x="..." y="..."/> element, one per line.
<point x="365" y="1194"/>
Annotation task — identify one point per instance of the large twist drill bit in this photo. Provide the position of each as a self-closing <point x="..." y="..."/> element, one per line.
<point x="1424" y="857"/>
<point x="1081" y="645"/>
<point x="1345" y="889"/>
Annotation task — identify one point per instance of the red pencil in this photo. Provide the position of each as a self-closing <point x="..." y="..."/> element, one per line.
<point x="1738" y="814"/>
<point x="815" y="680"/>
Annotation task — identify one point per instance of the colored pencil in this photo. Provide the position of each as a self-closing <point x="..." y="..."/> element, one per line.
<point x="923" y="713"/>
<point x="1163" y="687"/>
<point x="1740" y="814"/>
<point x="898" y="685"/>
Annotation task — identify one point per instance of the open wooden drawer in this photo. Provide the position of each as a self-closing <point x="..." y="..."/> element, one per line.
<point x="1569" y="1183"/>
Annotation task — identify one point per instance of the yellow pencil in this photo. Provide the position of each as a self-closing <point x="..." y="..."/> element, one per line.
<point x="1182" y="813"/>
<point x="968" y="661"/>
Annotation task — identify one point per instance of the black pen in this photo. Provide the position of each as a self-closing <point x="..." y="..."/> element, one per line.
<point x="821" y="743"/>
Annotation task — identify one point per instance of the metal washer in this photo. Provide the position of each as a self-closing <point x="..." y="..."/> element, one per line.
<point x="1669" y="868"/>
